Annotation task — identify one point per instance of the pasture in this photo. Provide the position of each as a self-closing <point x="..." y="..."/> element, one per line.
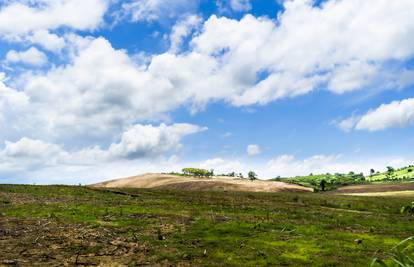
<point x="76" y="225"/>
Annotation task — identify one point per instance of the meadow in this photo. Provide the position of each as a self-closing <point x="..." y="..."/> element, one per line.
<point x="76" y="225"/>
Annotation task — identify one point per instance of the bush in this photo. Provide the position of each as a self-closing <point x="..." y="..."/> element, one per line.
<point x="401" y="255"/>
<point x="409" y="209"/>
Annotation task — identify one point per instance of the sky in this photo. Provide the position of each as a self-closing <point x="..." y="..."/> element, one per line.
<point x="99" y="89"/>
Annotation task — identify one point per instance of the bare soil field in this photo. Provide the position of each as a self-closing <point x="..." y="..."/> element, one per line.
<point x="375" y="188"/>
<point x="167" y="181"/>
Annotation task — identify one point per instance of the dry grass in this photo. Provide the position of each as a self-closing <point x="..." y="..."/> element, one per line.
<point x="167" y="181"/>
<point x="409" y="193"/>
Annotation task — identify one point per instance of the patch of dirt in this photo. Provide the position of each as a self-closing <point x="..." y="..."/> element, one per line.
<point x="166" y="181"/>
<point x="347" y="210"/>
<point x="371" y="188"/>
<point x="50" y="243"/>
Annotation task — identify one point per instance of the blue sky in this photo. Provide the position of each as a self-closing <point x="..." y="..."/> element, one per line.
<point x="97" y="89"/>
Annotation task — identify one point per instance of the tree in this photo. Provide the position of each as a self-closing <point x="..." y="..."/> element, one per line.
<point x="197" y="172"/>
<point x="372" y="172"/>
<point x="323" y="184"/>
<point x="252" y="175"/>
<point x="390" y="169"/>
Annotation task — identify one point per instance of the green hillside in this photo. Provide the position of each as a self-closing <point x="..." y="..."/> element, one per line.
<point x="336" y="180"/>
<point x="331" y="180"/>
<point x="405" y="173"/>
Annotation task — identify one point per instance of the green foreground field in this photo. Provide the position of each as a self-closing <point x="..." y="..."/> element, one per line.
<point x="52" y="225"/>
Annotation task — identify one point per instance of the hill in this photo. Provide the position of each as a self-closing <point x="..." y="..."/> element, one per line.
<point x="332" y="181"/>
<point x="217" y="183"/>
<point x="405" y="173"/>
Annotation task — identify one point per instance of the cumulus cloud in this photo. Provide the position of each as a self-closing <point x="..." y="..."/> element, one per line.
<point x="47" y="40"/>
<point x="138" y="142"/>
<point x="253" y="150"/>
<point x="101" y="91"/>
<point x="12" y="103"/>
<point x="31" y="56"/>
<point x="309" y="47"/>
<point x="22" y="17"/>
<point x="242" y="62"/>
<point x="10" y="96"/>
<point x="392" y="115"/>
<point x="147" y="140"/>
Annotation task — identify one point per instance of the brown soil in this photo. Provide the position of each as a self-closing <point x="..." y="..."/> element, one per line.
<point x="371" y="188"/>
<point x="48" y="242"/>
<point x="166" y="181"/>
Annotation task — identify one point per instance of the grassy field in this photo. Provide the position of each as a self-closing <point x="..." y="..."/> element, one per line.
<point x="52" y="225"/>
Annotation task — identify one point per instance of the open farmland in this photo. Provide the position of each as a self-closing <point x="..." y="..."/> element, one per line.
<point x="53" y="225"/>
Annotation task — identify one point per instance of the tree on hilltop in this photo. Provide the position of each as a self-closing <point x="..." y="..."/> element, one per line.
<point x="252" y="175"/>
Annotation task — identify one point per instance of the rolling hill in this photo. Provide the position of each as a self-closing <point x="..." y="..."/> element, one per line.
<point x="404" y="173"/>
<point x="218" y="183"/>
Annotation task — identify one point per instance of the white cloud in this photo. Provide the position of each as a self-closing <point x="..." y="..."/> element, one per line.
<point x="23" y="17"/>
<point x="147" y="140"/>
<point x="47" y="40"/>
<point x="102" y="91"/>
<point x="182" y="29"/>
<point x="9" y="96"/>
<point x="353" y="76"/>
<point x="153" y="10"/>
<point x="392" y="115"/>
<point x="251" y="61"/>
<point x="31" y="56"/>
<point x="11" y="104"/>
<point x="138" y="142"/>
<point x="309" y="47"/>
<point x="29" y="154"/>
<point x="253" y="150"/>
<point x="240" y="5"/>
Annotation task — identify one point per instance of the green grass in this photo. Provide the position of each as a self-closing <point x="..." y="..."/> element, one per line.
<point x="208" y="228"/>
<point x="406" y="173"/>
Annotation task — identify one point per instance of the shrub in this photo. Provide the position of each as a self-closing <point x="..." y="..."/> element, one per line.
<point x="408" y="209"/>
<point x="401" y="255"/>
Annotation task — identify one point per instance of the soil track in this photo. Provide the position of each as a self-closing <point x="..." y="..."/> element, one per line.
<point x="167" y="181"/>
